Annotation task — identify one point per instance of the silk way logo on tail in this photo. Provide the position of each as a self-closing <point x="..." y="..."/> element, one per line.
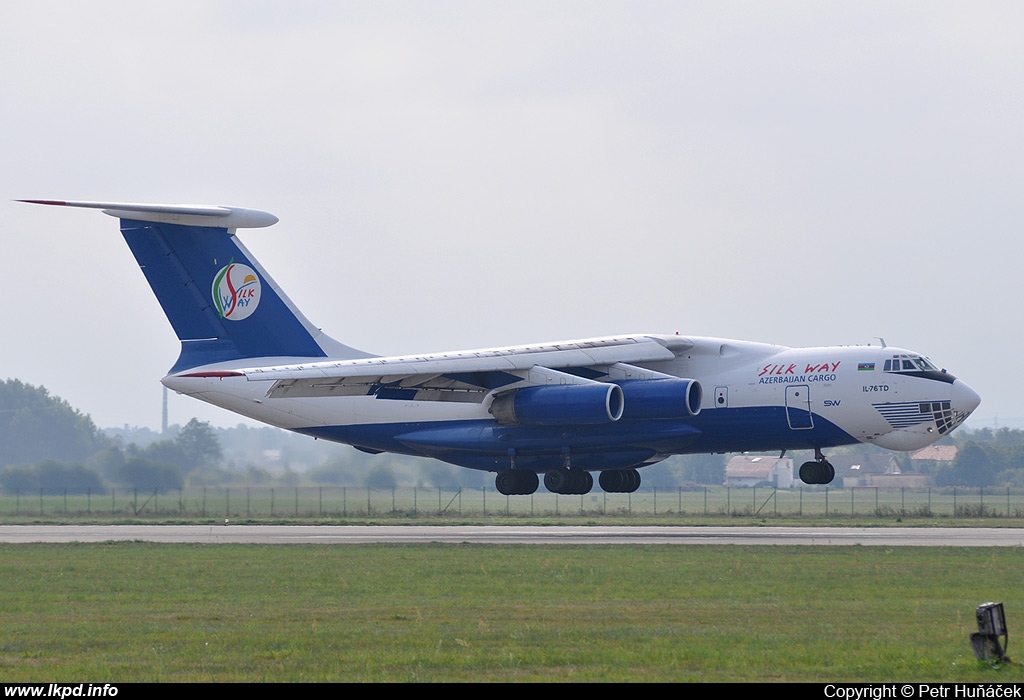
<point x="236" y="291"/>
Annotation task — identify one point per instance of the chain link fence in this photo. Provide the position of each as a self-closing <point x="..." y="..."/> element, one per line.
<point x="338" y="502"/>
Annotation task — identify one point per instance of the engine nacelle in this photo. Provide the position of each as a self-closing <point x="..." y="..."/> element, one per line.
<point x="560" y="404"/>
<point x="661" y="398"/>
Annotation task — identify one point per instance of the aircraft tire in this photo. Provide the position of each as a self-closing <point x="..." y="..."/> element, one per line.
<point x="619" y="480"/>
<point x="585" y="483"/>
<point x="809" y="472"/>
<point x="528" y="483"/>
<point x="568" y="482"/>
<point x="557" y="480"/>
<point x="507" y="483"/>
<point x="516" y="482"/>
<point x="817" y="472"/>
<point x="612" y="481"/>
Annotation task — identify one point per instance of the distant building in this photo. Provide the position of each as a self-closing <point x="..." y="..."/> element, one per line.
<point x="933" y="454"/>
<point x="926" y="460"/>
<point x="873" y="470"/>
<point x="758" y="470"/>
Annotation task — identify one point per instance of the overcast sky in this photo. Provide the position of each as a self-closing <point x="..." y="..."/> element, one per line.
<point x="472" y="174"/>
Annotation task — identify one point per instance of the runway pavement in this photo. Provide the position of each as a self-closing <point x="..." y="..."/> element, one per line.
<point x="589" y="535"/>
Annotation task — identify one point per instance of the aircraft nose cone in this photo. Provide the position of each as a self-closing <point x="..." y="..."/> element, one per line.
<point x="964" y="398"/>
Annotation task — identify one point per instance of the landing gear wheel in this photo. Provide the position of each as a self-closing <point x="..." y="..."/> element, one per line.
<point x="507" y="482"/>
<point x="817" y="472"/>
<point x="556" y="480"/>
<point x="528" y="483"/>
<point x="620" y="480"/>
<point x="586" y="483"/>
<point x="515" y="482"/>
<point x="568" y="481"/>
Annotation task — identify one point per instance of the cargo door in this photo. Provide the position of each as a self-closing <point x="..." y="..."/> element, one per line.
<point x="798" y="407"/>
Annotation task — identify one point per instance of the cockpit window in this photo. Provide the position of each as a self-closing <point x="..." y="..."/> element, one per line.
<point x="909" y="363"/>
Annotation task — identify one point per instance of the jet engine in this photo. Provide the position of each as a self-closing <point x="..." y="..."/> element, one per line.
<point x="661" y="398"/>
<point x="561" y="404"/>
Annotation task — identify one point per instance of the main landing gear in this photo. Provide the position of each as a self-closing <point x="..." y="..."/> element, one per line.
<point x="820" y="471"/>
<point x="568" y="480"/>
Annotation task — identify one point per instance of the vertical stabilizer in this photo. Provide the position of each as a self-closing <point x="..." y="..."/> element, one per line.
<point x="220" y="301"/>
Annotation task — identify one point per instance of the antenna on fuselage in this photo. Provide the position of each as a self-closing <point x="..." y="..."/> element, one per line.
<point x="882" y="341"/>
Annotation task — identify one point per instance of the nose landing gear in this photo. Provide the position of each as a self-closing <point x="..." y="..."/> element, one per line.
<point x="820" y="471"/>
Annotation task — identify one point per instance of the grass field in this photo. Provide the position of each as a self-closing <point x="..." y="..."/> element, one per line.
<point x="146" y="612"/>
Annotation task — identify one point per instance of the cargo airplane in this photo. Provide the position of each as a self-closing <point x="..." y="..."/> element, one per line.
<point x="560" y="411"/>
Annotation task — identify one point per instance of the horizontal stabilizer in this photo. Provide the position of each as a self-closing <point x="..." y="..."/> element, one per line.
<point x="183" y="214"/>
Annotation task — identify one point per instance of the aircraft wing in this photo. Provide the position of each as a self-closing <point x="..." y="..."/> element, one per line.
<point x="467" y="376"/>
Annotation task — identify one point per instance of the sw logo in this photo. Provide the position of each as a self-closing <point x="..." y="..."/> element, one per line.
<point x="236" y="291"/>
<point x="831" y="402"/>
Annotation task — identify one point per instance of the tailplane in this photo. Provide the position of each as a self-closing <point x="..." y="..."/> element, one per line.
<point x="220" y="301"/>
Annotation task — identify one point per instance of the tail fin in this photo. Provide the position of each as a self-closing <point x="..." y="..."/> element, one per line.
<point x="221" y="303"/>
